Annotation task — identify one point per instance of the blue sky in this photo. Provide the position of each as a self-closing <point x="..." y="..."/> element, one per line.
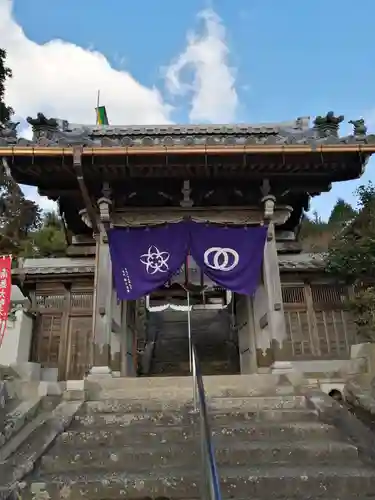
<point x="241" y="60"/>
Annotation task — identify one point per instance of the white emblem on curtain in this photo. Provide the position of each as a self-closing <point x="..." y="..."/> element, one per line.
<point x="221" y="259"/>
<point x="155" y="260"/>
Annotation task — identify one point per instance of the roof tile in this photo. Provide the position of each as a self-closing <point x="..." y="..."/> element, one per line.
<point x="67" y="265"/>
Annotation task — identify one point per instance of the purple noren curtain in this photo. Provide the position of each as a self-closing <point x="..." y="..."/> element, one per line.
<point x="143" y="259"/>
<point x="230" y="256"/>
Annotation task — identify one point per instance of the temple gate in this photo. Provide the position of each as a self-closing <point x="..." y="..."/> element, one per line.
<point x="226" y="175"/>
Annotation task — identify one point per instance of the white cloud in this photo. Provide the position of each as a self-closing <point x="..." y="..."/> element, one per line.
<point x="212" y="81"/>
<point x="62" y="79"/>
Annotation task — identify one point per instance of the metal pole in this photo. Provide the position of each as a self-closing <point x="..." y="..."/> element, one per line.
<point x="191" y="356"/>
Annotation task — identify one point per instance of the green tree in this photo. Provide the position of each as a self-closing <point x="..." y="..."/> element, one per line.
<point x="317" y="235"/>
<point x="49" y="240"/>
<point x="313" y="233"/>
<point x="18" y="216"/>
<point x="352" y="254"/>
<point x="342" y="214"/>
<point x="351" y="258"/>
<point x="5" y="73"/>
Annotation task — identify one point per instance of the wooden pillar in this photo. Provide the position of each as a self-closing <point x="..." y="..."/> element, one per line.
<point x="65" y="340"/>
<point x="246" y="334"/>
<point x="123" y="339"/>
<point x="127" y="341"/>
<point x="313" y="327"/>
<point x="272" y="283"/>
<point x="102" y="313"/>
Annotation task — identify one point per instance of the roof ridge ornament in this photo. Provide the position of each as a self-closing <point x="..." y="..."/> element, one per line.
<point x="328" y="125"/>
<point x="8" y="133"/>
<point x="359" y="127"/>
<point x="43" y="128"/>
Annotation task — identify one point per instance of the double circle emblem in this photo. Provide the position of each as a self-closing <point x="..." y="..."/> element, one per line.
<point x="221" y="259"/>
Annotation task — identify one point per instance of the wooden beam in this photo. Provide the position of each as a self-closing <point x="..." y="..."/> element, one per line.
<point x="56" y="192"/>
<point x="38" y="151"/>
<point x="309" y="183"/>
<point x="77" y="163"/>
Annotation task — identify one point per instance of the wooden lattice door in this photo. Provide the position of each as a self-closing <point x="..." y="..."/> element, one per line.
<point x="299" y="327"/>
<point x="336" y="330"/>
<point x="317" y="322"/>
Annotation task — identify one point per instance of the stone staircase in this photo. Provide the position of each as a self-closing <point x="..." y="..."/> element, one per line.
<point x="211" y="334"/>
<point x="138" y="438"/>
<point x="29" y="424"/>
<point x="15" y="413"/>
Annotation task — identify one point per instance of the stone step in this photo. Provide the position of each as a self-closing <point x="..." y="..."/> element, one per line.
<point x="253" y="385"/>
<point x="16" y="416"/>
<point x="112" y="435"/>
<point x="240" y="482"/>
<point x="182" y="367"/>
<point x="132" y="460"/>
<point x="185" y="393"/>
<point x="9" y="406"/>
<point x="173" y="418"/>
<point x="20" y="454"/>
<point x="171" y="348"/>
<point x="156" y="402"/>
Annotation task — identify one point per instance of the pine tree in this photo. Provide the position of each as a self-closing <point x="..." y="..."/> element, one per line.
<point x="342" y="214"/>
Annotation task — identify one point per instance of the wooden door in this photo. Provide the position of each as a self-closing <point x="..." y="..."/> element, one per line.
<point x="336" y="330"/>
<point x="299" y="328"/>
<point x="78" y="360"/>
<point x="47" y="340"/>
<point x="317" y="323"/>
<point x="49" y="303"/>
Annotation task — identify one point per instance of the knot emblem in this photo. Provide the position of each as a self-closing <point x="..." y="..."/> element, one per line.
<point x="221" y="259"/>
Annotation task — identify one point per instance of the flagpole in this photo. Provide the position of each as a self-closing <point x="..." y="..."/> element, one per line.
<point x="97" y="107"/>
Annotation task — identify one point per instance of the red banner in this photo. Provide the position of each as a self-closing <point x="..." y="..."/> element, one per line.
<point x="5" y="292"/>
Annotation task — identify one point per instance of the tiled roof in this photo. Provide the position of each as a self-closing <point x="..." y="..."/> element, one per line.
<point x="165" y="130"/>
<point x="301" y="261"/>
<point x="57" y="265"/>
<point x="67" y="265"/>
<point x="56" y="132"/>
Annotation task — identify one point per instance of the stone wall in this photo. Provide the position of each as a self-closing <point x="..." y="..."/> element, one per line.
<point x="16" y="344"/>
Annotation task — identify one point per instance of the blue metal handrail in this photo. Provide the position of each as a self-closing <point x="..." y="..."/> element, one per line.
<point x="211" y="479"/>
